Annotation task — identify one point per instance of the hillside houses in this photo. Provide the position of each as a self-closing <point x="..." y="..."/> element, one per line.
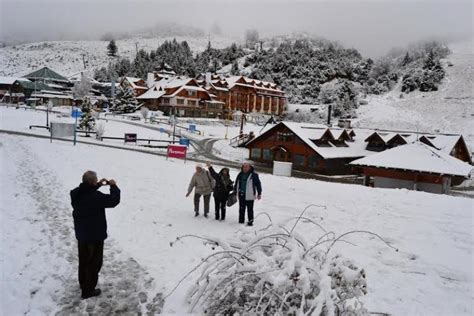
<point x="182" y="97"/>
<point x="46" y="86"/>
<point x="244" y="94"/>
<point x="319" y="149"/>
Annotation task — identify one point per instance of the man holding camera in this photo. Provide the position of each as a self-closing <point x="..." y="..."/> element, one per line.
<point x="90" y="226"/>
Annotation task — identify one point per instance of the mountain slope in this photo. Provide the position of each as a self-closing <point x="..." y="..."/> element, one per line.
<point x="66" y="57"/>
<point x="449" y="110"/>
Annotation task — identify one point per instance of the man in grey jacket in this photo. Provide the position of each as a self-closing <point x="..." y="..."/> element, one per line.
<point x="202" y="184"/>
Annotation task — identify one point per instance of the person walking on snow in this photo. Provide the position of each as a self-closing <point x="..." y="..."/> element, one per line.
<point x="202" y="184"/>
<point x="222" y="189"/>
<point x="248" y="188"/>
<point x="90" y="226"/>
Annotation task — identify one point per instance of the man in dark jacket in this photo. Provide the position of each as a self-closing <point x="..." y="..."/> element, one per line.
<point x="223" y="186"/>
<point x="90" y="226"/>
<point x="248" y="187"/>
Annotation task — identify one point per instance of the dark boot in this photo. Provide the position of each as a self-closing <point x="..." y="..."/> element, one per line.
<point x="87" y="295"/>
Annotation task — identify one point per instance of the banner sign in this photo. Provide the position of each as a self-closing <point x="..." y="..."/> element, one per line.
<point x="177" y="151"/>
<point x="130" y="138"/>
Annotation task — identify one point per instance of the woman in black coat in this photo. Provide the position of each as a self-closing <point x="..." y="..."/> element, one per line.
<point x="222" y="188"/>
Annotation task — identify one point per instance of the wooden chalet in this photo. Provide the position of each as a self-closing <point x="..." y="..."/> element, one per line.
<point x="310" y="147"/>
<point x="317" y="148"/>
<point x="451" y="144"/>
<point x="415" y="166"/>
<point x="240" y="93"/>
<point x="181" y="97"/>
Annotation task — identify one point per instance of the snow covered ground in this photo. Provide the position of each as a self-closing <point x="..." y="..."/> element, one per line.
<point x="66" y="57"/>
<point x="19" y="120"/>
<point x="431" y="274"/>
<point x="449" y="110"/>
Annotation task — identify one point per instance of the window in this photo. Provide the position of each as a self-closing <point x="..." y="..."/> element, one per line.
<point x="298" y="160"/>
<point x="313" y="162"/>
<point x="255" y="153"/>
<point x="285" y="137"/>
<point x="191" y="102"/>
<point x="180" y="101"/>
<point x="191" y="93"/>
<point x="267" y="154"/>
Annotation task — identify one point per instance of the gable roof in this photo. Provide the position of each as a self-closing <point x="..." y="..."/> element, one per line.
<point x="46" y="74"/>
<point x="310" y="132"/>
<point x="417" y="157"/>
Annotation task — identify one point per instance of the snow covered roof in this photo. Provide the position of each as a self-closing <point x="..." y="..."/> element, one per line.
<point x="309" y="133"/>
<point x="152" y="93"/>
<point x="133" y="82"/>
<point x="11" y="80"/>
<point x="416" y="157"/>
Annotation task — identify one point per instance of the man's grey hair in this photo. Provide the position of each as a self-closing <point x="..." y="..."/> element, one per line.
<point x="89" y="177"/>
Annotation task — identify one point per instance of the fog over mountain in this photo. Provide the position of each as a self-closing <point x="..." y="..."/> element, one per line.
<point x="373" y="27"/>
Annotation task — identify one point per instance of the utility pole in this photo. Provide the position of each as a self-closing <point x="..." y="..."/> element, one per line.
<point x="84" y="60"/>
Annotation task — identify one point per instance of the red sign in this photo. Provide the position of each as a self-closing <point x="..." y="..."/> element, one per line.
<point x="177" y="151"/>
<point x="130" y="138"/>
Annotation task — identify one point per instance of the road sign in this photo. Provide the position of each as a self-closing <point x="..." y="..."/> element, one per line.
<point x="184" y="141"/>
<point x="76" y="113"/>
<point x="177" y="151"/>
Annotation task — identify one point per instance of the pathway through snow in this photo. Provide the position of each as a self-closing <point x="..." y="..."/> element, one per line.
<point x="41" y="224"/>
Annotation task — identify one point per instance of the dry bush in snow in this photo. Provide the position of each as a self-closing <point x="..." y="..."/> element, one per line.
<point x="277" y="271"/>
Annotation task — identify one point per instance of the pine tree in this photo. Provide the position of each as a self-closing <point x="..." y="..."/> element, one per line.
<point x="112" y="49"/>
<point x="406" y="59"/>
<point x="87" y="121"/>
<point x="125" y="101"/>
<point x="430" y="60"/>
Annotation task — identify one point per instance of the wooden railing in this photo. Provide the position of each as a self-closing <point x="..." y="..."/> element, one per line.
<point x="240" y="140"/>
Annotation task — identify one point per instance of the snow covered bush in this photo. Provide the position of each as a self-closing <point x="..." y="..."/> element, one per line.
<point x="144" y="111"/>
<point x="278" y="271"/>
<point x="100" y="131"/>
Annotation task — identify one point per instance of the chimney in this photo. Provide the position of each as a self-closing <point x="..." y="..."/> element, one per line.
<point x="208" y="79"/>
<point x="150" y="79"/>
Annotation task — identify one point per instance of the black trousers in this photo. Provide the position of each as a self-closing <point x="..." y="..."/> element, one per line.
<point x="197" y="198"/>
<point x="220" y="207"/>
<point x="244" y="204"/>
<point x="90" y="262"/>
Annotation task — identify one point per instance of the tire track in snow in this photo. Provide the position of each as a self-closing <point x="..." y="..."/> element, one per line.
<point x="126" y="286"/>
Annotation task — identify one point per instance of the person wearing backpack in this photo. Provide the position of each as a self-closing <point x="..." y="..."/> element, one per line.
<point x="202" y="184"/>
<point x="223" y="187"/>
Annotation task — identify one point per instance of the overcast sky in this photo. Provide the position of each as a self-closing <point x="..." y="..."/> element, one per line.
<point x="371" y="26"/>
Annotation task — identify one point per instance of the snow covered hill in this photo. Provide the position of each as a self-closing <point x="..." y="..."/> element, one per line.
<point x="448" y="110"/>
<point x="66" y="57"/>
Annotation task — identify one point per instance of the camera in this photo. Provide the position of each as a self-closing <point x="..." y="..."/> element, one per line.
<point x="104" y="182"/>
